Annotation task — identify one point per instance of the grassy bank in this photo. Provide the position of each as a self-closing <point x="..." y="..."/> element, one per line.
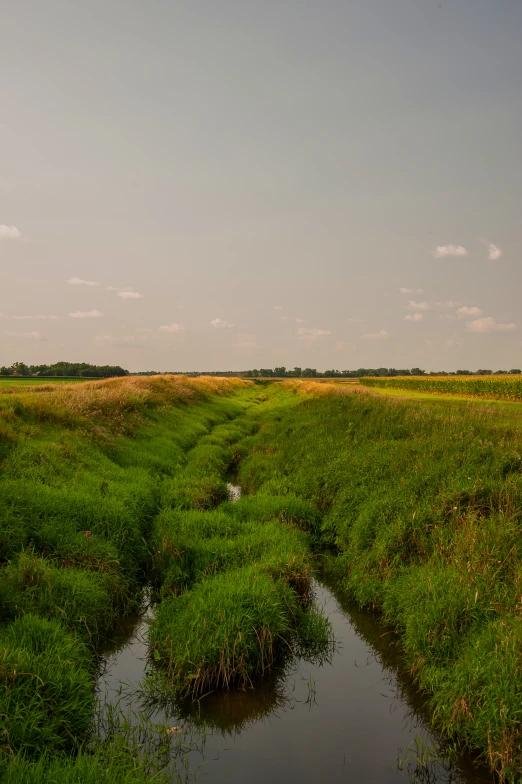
<point x="82" y="468"/>
<point x="422" y="501"/>
<point x="105" y="487"/>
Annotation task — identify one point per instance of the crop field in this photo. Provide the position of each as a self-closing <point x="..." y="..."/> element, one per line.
<point x="106" y="488"/>
<point x="502" y="387"/>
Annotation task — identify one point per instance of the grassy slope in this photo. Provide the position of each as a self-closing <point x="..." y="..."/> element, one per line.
<point x="105" y="486"/>
<point x="81" y="473"/>
<point x="423" y="501"/>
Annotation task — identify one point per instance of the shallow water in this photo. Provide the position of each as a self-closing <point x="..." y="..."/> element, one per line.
<point x="349" y="720"/>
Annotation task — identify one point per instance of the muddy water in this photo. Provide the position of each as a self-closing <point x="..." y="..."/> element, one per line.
<point x="355" y="718"/>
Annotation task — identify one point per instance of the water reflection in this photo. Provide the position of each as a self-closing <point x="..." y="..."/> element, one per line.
<point x="355" y="718"/>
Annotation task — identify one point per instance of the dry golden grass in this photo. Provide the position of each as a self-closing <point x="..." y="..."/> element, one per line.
<point x="110" y="400"/>
<point x="320" y="387"/>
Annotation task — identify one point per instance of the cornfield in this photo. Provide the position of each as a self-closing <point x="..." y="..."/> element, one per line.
<point x="508" y="387"/>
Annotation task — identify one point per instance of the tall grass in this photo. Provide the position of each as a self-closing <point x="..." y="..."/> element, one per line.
<point x="82" y="473"/>
<point x="234" y="580"/>
<point x="504" y="387"/>
<point x="46" y="693"/>
<point x="423" y="502"/>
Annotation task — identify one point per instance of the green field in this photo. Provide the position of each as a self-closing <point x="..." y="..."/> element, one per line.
<point x="9" y="381"/>
<point x="502" y="387"/>
<point x="413" y="506"/>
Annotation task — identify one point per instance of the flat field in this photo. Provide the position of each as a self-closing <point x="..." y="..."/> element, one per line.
<point x="8" y="382"/>
<point x="501" y="387"/>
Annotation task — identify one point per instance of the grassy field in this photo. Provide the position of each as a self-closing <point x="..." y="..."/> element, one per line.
<point x="422" y="503"/>
<point x="109" y="486"/>
<point x="7" y="382"/>
<point x="503" y="387"/>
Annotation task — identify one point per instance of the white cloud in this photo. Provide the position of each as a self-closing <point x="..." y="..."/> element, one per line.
<point x="83" y="314"/>
<point x="494" y="253"/>
<point x="342" y="345"/>
<point x="112" y="288"/>
<point x="468" y="312"/>
<point x="448" y="304"/>
<point x="489" y="324"/>
<point x="172" y="328"/>
<point x="28" y="335"/>
<point x="118" y="341"/>
<point x="50" y="317"/>
<point x="354" y="320"/>
<point x="129" y="294"/>
<point x="9" y="232"/>
<point x="293" y="320"/>
<point x="443" y="251"/>
<point x="278" y="307"/>
<point x="451" y="344"/>
<point x="311" y="336"/>
<point x="414" y="317"/>
<point x="418" y="305"/>
<point x="304" y="332"/>
<point x="81" y="282"/>
<point x="411" y="291"/>
<point x="381" y="335"/>
<point x="221" y="324"/>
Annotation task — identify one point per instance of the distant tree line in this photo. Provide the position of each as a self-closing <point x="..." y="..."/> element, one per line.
<point x="69" y="369"/>
<point x="297" y="372"/>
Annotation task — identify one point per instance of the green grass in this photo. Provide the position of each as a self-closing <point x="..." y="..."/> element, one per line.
<point x="122" y="766"/>
<point x="234" y="577"/>
<point x="226" y="631"/>
<point x="81" y="481"/>
<point x="503" y="387"/>
<point x="8" y="381"/>
<point x="104" y="487"/>
<point x="46" y="693"/>
<point x="423" y="502"/>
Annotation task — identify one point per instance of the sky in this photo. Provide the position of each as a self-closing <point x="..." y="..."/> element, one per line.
<point x="235" y="184"/>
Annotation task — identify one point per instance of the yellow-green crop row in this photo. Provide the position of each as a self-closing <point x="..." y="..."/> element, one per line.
<point x="508" y="387"/>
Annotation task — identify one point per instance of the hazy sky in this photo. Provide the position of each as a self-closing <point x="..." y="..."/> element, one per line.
<point x="213" y="184"/>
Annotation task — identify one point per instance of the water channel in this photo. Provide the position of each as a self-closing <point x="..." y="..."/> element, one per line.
<point x="355" y="718"/>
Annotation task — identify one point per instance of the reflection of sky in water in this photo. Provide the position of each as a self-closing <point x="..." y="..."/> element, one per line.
<point x="344" y="721"/>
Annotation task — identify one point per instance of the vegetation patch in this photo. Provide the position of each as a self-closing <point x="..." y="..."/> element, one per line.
<point x="225" y="631"/>
<point x="46" y="694"/>
<point x="422" y="502"/>
<point x="492" y="387"/>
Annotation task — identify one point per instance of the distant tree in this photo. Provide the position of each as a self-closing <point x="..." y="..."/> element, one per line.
<point x="515" y="371"/>
<point x="280" y="371"/>
<point x="417" y="372"/>
<point x="19" y="369"/>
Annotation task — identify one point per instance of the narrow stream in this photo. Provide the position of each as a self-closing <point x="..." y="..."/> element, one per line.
<point x="356" y="718"/>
